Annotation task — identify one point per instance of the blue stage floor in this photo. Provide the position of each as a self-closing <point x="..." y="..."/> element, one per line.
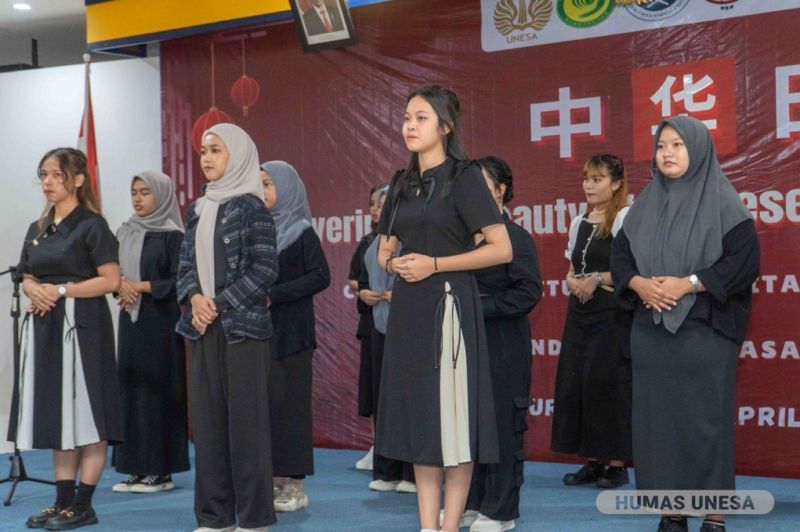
<point x="341" y="501"/>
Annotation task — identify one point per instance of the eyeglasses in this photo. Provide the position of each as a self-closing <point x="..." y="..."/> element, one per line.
<point x="56" y="177"/>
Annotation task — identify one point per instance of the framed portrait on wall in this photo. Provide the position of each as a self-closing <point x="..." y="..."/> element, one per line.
<point x="323" y="24"/>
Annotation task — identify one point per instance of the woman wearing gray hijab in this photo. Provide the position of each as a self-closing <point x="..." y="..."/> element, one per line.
<point x="151" y="361"/>
<point x="227" y="264"/>
<point x="303" y="273"/>
<point x="686" y="259"/>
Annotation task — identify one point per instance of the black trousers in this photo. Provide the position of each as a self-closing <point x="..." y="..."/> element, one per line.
<point x="384" y="468"/>
<point x="229" y="406"/>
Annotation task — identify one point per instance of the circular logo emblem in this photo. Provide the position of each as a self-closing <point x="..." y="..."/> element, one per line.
<point x="657" y="9"/>
<point x="584" y="13"/>
<point x="522" y="15"/>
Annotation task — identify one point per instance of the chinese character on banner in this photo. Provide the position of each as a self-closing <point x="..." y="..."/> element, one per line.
<point x="787" y="100"/>
<point x="705" y="90"/>
<point x="565" y="128"/>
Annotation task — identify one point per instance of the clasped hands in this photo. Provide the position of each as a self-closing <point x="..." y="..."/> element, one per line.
<point x="204" y="312"/>
<point x="43" y="296"/>
<point x="582" y="287"/>
<point x="372" y="298"/>
<point x="128" y="293"/>
<point x="413" y="267"/>
<point x="660" y="292"/>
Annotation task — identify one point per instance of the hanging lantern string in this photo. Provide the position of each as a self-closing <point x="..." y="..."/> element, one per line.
<point x="244" y="68"/>
<point x="213" y="83"/>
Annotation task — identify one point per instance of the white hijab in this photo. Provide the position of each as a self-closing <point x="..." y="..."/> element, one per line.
<point x="242" y="176"/>
<point x="166" y="217"/>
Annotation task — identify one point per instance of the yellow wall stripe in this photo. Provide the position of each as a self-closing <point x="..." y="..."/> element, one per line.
<point x="119" y="19"/>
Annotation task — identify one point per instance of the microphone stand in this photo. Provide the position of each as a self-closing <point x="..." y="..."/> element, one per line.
<point x="17" y="472"/>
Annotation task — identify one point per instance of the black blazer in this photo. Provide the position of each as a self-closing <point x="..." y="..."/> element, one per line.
<point x="313" y="23"/>
<point x="303" y="273"/>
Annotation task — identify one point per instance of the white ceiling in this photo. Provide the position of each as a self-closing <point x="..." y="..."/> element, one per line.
<point x="59" y="26"/>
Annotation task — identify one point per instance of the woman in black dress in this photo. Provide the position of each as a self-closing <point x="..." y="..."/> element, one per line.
<point x="152" y="362"/>
<point x="686" y="259"/>
<point x="592" y="414"/>
<point x="303" y="273"/>
<point x="435" y="407"/>
<point x="68" y="397"/>
<point x="364" y="302"/>
<point x="508" y="294"/>
<point x="227" y="264"/>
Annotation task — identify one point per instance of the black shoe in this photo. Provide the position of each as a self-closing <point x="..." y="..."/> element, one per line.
<point x="71" y="518"/>
<point x="588" y="474"/>
<point x="673" y="524"/>
<point x="613" y="477"/>
<point x="709" y="526"/>
<point x="38" y="520"/>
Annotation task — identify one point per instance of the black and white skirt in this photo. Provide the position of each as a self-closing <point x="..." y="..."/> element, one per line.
<point x="68" y="394"/>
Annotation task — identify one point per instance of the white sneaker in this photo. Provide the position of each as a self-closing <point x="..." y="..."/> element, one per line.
<point x="208" y="529"/>
<point x="467" y="518"/>
<point x="365" y="464"/>
<point x="486" y="524"/>
<point x="406" y="487"/>
<point x="126" y="485"/>
<point x="292" y="498"/>
<point x="384" y="485"/>
<point x="259" y="529"/>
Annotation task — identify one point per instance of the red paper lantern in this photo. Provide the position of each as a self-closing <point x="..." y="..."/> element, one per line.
<point x="210" y="118"/>
<point x="244" y="92"/>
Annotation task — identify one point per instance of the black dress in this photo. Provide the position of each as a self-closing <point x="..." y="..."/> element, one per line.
<point x="303" y="273"/>
<point x="366" y="399"/>
<point x="152" y="369"/>
<point x="684" y="387"/>
<point x="68" y="394"/>
<point x="592" y="410"/>
<point x="508" y="294"/>
<point x="428" y="222"/>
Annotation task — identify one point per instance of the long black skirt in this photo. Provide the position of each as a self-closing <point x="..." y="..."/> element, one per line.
<point x="684" y="391"/>
<point x="290" y="415"/>
<point x="592" y="410"/>
<point x="152" y="376"/>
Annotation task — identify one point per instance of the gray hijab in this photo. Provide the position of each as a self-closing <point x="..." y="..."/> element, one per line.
<point x="676" y="226"/>
<point x="379" y="280"/>
<point x="165" y="217"/>
<point x="291" y="212"/>
<point x="241" y="177"/>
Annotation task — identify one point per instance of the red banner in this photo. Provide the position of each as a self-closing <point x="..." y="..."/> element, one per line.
<point x="336" y="116"/>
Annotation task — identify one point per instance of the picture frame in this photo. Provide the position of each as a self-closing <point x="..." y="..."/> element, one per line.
<point x="323" y="24"/>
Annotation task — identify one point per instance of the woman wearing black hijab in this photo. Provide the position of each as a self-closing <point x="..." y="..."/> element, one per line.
<point x="686" y="259"/>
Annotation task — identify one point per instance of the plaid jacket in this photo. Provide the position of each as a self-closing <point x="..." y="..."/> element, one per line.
<point x="250" y="245"/>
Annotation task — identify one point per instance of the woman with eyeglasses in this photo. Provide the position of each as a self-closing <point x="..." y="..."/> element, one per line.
<point x="435" y="408"/>
<point x="68" y="398"/>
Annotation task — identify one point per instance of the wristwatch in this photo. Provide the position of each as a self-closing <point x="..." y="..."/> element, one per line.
<point x="694" y="282"/>
<point x="599" y="278"/>
<point x="62" y="290"/>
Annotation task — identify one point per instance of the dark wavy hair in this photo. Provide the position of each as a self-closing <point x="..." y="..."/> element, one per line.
<point x="500" y="174"/>
<point x="448" y="112"/>
<point x="615" y="168"/>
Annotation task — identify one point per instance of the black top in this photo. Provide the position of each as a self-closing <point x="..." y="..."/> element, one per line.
<point x="512" y="290"/>
<point x="303" y="272"/>
<point x="70" y="251"/>
<point x="590" y="255"/>
<point x="726" y="303"/>
<point x="159" y="264"/>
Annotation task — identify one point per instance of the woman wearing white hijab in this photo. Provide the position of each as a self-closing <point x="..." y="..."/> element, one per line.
<point x="151" y="361"/>
<point x="228" y="263"/>
<point x="303" y="273"/>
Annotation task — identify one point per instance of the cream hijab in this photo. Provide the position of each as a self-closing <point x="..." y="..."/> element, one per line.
<point x="241" y="177"/>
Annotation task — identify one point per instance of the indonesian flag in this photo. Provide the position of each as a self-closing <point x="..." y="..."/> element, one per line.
<point x="86" y="142"/>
